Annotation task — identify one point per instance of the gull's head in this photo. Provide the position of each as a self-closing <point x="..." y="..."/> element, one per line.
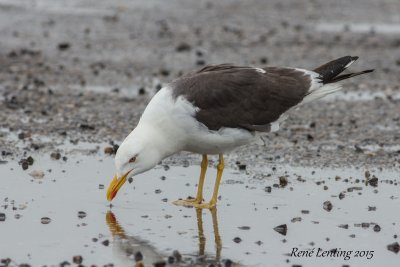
<point x="136" y="154"/>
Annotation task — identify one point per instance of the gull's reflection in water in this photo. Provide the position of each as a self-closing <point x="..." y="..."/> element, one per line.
<point x="125" y="247"/>
<point x="202" y="238"/>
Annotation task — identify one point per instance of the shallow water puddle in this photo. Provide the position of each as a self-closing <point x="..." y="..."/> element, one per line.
<point x="241" y="228"/>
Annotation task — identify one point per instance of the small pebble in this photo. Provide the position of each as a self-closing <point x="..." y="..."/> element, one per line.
<point x="106" y="242"/>
<point x="177" y="255"/>
<point x="327" y="205"/>
<point x="228" y="263"/>
<point x="171" y="260"/>
<point x="109" y="150"/>
<point x="283" y="181"/>
<point x="377" y="228"/>
<point x="81" y="214"/>
<point x="282" y="229"/>
<point x="2" y="217"/>
<point x="138" y="256"/>
<point x="237" y="240"/>
<point x="55" y="155"/>
<point x="244" y="227"/>
<point x="77" y="259"/>
<point x="160" y="264"/>
<point x="45" y="220"/>
<point x="394" y="247"/>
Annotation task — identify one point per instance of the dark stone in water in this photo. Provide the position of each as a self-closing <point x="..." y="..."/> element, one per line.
<point x="138" y="256"/>
<point x="55" y="155"/>
<point x="160" y="264"/>
<point x="341" y="195"/>
<point x="106" y="242"/>
<point x="237" y="240"/>
<point x="45" y="220"/>
<point x="373" y="181"/>
<point x="228" y="263"/>
<point x="77" y="259"/>
<point x="282" y="229"/>
<point x="244" y="227"/>
<point x="242" y="167"/>
<point x="327" y="205"/>
<point x="268" y="189"/>
<point x="283" y="181"/>
<point x="394" y="247"/>
<point x="81" y="214"/>
<point x="177" y="255"/>
<point x="24" y="165"/>
<point x="377" y="228"/>
<point x="2" y="217"/>
<point x="64" y="264"/>
<point x="171" y="260"/>
<point x="30" y="160"/>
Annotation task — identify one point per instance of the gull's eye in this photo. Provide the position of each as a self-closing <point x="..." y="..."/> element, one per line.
<point x="133" y="159"/>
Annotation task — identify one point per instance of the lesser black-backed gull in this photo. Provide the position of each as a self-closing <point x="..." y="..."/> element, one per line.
<point x="216" y="109"/>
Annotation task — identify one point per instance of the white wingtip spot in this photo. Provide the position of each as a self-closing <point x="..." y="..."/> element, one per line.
<point x="348" y="64"/>
<point x="260" y="70"/>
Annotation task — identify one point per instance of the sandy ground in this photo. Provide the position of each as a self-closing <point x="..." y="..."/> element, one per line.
<point x="79" y="72"/>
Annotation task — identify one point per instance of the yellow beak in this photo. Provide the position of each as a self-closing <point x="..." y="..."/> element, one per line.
<point x="115" y="185"/>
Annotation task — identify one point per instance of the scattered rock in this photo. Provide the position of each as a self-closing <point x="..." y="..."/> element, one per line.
<point x="63" y="46"/>
<point x="183" y="47"/>
<point x="77" y="259"/>
<point x="268" y="189"/>
<point x="106" y="242"/>
<point x="237" y="240"/>
<point x="344" y="226"/>
<point x="228" y="263"/>
<point x="55" y="155"/>
<point x="244" y="227"/>
<point x="377" y="228"/>
<point x="45" y="220"/>
<point x="177" y="255"/>
<point x="282" y="229"/>
<point x="81" y="214"/>
<point x="171" y="260"/>
<point x="2" y="217"/>
<point x="142" y="91"/>
<point x="109" y="150"/>
<point x="138" y="256"/>
<point x="30" y="160"/>
<point x="160" y="264"/>
<point x="394" y="247"/>
<point x="373" y="181"/>
<point x="327" y="205"/>
<point x="37" y="174"/>
<point x="283" y="181"/>
<point x="341" y="195"/>
<point x="296" y="219"/>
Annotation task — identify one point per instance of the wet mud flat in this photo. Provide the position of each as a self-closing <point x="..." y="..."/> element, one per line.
<point x="85" y="71"/>
<point x="74" y="79"/>
<point x="262" y="216"/>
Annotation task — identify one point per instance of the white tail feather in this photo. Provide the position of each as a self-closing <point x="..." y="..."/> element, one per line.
<point x="321" y="92"/>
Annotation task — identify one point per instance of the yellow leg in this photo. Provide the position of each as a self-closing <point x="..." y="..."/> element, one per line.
<point x="214" y="198"/>
<point x="199" y="195"/>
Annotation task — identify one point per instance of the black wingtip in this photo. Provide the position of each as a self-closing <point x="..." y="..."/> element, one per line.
<point x="368" y="71"/>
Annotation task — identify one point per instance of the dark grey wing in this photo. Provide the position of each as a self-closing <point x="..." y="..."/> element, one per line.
<point x="242" y="97"/>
